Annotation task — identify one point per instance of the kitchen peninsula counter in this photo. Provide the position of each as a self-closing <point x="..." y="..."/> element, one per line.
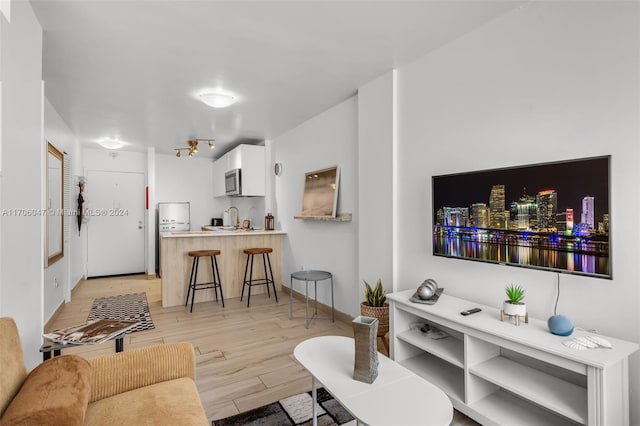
<point x="175" y="263"/>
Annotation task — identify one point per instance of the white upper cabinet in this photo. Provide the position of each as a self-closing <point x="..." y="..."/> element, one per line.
<point x="251" y="160"/>
<point x="234" y="157"/>
<point x="219" y="168"/>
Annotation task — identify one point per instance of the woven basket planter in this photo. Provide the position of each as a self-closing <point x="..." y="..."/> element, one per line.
<point x="381" y="313"/>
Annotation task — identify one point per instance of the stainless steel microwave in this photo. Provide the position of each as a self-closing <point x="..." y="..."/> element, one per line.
<point x="233" y="182"/>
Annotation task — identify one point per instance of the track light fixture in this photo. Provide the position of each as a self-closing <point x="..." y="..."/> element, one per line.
<point x="193" y="146"/>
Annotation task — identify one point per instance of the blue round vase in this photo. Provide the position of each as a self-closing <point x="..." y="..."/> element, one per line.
<point x="560" y="325"/>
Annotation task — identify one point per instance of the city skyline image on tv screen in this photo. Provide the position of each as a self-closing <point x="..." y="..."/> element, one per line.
<point x="552" y="216"/>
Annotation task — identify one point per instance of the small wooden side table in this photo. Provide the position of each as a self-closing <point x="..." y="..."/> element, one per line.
<point x="89" y="333"/>
<point x="56" y="347"/>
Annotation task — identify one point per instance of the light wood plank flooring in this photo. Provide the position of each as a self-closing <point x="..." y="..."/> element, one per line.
<point x="244" y="356"/>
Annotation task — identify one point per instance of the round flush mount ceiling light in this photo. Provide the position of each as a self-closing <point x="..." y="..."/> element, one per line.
<point x="111" y="143"/>
<point x="217" y="98"/>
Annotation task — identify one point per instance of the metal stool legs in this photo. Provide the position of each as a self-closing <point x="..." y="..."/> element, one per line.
<point x="215" y="282"/>
<point x="307" y="277"/>
<point x="315" y="303"/>
<point x="268" y="279"/>
<point x="214" y="267"/>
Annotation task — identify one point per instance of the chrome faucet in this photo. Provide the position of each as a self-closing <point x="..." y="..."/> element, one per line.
<point x="237" y="215"/>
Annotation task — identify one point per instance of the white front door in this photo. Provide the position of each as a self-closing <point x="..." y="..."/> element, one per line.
<point x="115" y="203"/>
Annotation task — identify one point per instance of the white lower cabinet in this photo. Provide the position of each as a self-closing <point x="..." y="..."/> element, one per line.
<point x="499" y="373"/>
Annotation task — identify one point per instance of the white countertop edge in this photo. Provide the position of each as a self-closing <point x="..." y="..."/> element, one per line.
<point x="193" y="234"/>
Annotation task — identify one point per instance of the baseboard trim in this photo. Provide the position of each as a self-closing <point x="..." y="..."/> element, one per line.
<point x="383" y="342"/>
<point x="53" y="317"/>
<point x="325" y="309"/>
<point x="75" y="287"/>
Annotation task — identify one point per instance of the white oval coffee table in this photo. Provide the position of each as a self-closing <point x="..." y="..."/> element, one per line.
<point x="397" y="397"/>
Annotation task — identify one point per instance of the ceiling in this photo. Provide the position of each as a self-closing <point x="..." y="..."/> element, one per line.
<point x="132" y="69"/>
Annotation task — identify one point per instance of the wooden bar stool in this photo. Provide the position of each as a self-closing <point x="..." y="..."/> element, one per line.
<point x="250" y="252"/>
<point x="215" y="275"/>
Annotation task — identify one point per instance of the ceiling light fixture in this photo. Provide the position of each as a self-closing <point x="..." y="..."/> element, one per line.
<point x="193" y="146"/>
<point x="111" y="143"/>
<point x="217" y="98"/>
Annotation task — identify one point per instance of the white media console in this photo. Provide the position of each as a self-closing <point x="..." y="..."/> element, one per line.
<point x="499" y="373"/>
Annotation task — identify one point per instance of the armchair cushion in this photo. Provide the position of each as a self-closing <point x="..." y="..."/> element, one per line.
<point x="54" y="393"/>
<point x="11" y="362"/>
<point x="125" y="371"/>
<point x="173" y="402"/>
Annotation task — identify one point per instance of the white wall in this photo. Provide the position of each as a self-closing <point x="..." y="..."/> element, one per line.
<point x="114" y="161"/>
<point x="23" y="154"/>
<point x="326" y="140"/>
<point x="78" y="241"/>
<point x="550" y="81"/>
<point x="70" y="269"/>
<point x="5" y="9"/>
<point x="375" y="181"/>
<point x="188" y="179"/>
<point x="151" y="213"/>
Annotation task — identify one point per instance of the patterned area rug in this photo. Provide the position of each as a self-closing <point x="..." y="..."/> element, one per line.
<point x="295" y="410"/>
<point x="125" y="307"/>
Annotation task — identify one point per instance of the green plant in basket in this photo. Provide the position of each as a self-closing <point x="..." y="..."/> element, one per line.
<point x="375" y="296"/>
<point x="375" y="306"/>
<point x="515" y="293"/>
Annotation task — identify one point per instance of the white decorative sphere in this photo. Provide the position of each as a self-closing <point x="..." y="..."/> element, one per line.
<point x="427" y="289"/>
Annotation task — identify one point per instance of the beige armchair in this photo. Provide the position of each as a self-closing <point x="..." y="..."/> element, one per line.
<point x="149" y="386"/>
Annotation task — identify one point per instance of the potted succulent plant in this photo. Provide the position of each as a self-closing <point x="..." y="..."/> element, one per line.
<point x="376" y="306"/>
<point x="514" y="304"/>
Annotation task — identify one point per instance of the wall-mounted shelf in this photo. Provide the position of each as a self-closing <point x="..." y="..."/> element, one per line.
<point x="344" y="217"/>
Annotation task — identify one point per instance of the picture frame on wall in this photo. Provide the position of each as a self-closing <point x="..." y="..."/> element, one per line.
<point x="320" y="196"/>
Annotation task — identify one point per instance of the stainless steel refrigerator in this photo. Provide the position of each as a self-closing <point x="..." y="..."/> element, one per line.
<point x="170" y="217"/>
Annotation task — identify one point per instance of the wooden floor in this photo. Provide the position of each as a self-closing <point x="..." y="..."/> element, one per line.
<point x="244" y="356"/>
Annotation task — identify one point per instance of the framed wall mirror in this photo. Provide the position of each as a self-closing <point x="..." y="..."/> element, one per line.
<point x="54" y="243"/>
<point x="320" y="198"/>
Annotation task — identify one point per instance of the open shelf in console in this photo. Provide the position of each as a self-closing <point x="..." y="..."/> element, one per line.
<point x="556" y="394"/>
<point x="441" y="373"/>
<point x="449" y="349"/>
<point x="506" y="409"/>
